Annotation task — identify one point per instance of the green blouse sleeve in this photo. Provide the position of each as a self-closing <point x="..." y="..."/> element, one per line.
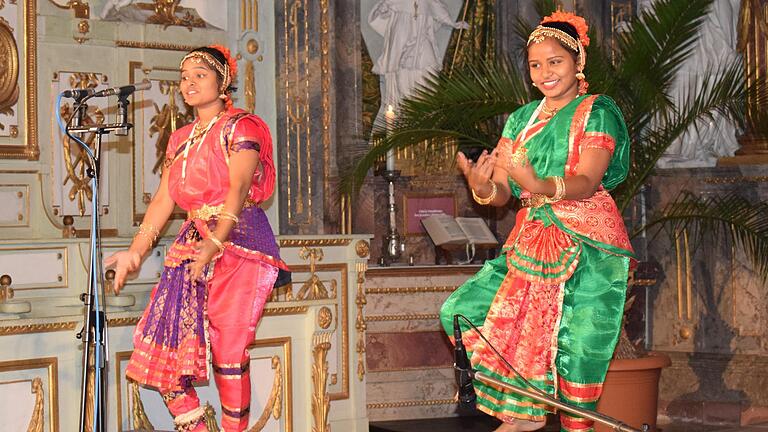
<point x="606" y="129"/>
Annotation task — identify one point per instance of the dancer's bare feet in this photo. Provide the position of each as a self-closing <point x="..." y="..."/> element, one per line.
<point x="521" y="426"/>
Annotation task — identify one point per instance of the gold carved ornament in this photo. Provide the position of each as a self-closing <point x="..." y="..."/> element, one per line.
<point x="362" y="248"/>
<point x="81" y="8"/>
<point x="37" y="422"/>
<point x="250" y="87"/>
<point x="321" y="402"/>
<point x="684" y="286"/>
<point x="324" y="318"/>
<point x="9" y="70"/>
<point x="360" y="326"/>
<point x="90" y="392"/>
<point x="140" y="419"/>
<point x="210" y="418"/>
<point x="168" y="13"/>
<point x="313" y="288"/>
<point x="249" y="15"/>
<point x="249" y="91"/>
<point x="274" y="404"/>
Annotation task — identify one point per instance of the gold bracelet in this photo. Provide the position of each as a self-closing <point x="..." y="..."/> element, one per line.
<point x="538" y="200"/>
<point x="559" y="189"/>
<point x="489" y="199"/>
<point x="217" y="242"/>
<point x="228" y="215"/>
<point x="149" y="231"/>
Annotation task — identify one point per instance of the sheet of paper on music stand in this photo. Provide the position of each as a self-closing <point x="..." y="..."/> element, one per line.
<point x="446" y="230"/>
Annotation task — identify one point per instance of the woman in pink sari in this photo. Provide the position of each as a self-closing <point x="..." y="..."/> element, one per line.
<point x="222" y="266"/>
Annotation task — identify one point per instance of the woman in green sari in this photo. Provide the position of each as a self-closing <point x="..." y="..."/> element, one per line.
<point x="552" y="302"/>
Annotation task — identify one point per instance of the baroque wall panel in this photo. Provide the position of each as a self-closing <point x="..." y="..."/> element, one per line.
<point x="18" y="74"/>
<point x="29" y="395"/>
<point x="305" y="114"/>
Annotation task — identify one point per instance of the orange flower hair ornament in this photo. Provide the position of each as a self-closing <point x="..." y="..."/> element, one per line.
<point x="231" y="61"/>
<point x="576" y="45"/>
<point x="231" y="67"/>
<point x="579" y="23"/>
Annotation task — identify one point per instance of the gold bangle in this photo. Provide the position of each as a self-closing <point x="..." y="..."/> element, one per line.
<point x="217" y="242"/>
<point x="559" y="189"/>
<point x="146" y="235"/>
<point x="228" y="215"/>
<point x="149" y="231"/>
<point x="149" y="227"/>
<point x="489" y="199"/>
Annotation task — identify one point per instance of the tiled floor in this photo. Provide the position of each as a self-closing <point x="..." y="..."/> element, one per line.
<point x="488" y="424"/>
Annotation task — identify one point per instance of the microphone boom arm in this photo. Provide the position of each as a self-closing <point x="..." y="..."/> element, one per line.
<point x="464" y="368"/>
<point x="616" y="425"/>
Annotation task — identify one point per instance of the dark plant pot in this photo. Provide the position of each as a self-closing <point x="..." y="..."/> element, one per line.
<point x="631" y="391"/>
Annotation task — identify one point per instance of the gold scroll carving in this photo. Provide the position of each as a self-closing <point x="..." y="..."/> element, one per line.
<point x="140" y="419"/>
<point x="37" y="422"/>
<point x="274" y="404"/>
<point x="321" y="402"/>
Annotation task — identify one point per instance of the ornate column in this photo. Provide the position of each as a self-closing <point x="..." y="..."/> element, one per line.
<point x="753" y="31"/>
<point x="318" y="47"/>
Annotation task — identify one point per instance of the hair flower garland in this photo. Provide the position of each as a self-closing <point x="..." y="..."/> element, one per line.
<point x="579" y="23"/>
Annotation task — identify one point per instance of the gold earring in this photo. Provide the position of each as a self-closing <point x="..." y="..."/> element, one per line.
<point x="580" y="76"/>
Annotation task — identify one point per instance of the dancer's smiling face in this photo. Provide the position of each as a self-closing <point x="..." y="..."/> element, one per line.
<point x="553" y="69"/>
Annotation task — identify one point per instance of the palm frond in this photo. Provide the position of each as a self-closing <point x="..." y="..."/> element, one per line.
<point x="722" y="90"/>
<point x="522" y="28"/>
<point x="480" y="90"/>
<point x="600" y="70"/>
<point x="651" y="52"/>
<point x="546" y="7"/>
<point x="732" y="217"/>
<point x="463" y="107"/>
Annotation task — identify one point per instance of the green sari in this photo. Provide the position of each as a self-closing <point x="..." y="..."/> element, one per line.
<point x="552" y="302"/>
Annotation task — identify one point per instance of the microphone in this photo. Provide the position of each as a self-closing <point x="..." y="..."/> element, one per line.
<point x="463" y="370"/>
<point x="112" y="91"/>
<point x="124" y="90"/>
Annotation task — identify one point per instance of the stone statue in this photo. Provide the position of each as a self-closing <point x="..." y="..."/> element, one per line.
<point x="709" y="139"/>
<point x="410" y="51"/>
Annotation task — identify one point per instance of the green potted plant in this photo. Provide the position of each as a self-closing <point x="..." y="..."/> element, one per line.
<point x="465" y="106"/>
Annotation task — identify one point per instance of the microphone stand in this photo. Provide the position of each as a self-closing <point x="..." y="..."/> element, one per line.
<point x="465" y="373"/>
<point x="93" y="334"/>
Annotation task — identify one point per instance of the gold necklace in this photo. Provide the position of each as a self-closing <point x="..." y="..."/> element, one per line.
<point x="547" y="111"/>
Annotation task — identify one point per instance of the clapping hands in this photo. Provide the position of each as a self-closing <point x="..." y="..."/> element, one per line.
<point x="478" y="174"/>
